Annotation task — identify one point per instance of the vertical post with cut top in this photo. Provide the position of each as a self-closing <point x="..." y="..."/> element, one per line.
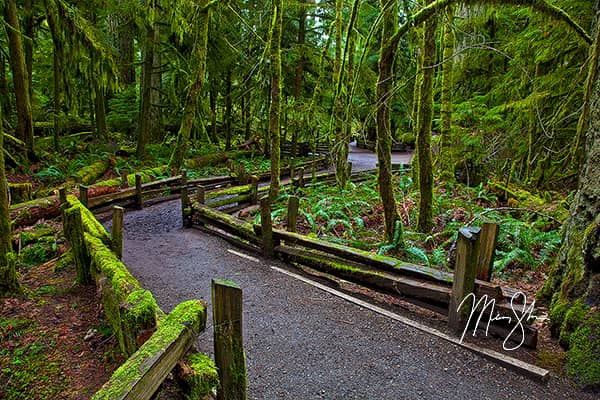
<point x="186" y="212"/>
<point x="74" y="233"/>
<point x="201" y="194"/>
<point x="292" y="213"/>
<point x="62" y="195"/>
<point x="488" y="239"/>
<point x="254" y="190"/>
<point x="229" y="349"/>
<point x="301" y="177"/>
<point x="267" y="227"/>
<point x="124" y="181"/>
<point x="138" y="191"/>
<point x="464" y="277"/>
<point x="83" y="195"/>
<point x="117" y="231"/>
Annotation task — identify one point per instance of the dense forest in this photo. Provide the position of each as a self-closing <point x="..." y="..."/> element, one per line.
<point x="500" y="101"/>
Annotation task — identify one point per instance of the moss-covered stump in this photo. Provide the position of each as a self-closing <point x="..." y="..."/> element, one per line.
<point x="20" y="192"/>
<point x="199" y="375"/>
<point x="141" y="375"/>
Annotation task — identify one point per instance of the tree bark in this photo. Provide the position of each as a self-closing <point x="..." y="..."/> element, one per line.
<point x="340" y="147"/>
<point x="58" y="59"/>
<point x="446" y="159"/>
<point x="144" y="120"/>
<point x="425" y="116"/>
<point x="191" y="103"/>
<point x="573" y="286"/>
<point x="384" y="135"/>
<point x="275" y="108"/>
<point x="17" y="63"/>
<point x="9" y="284"/>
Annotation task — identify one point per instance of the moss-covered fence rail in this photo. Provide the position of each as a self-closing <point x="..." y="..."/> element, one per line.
<point x="154" y="342"/>
<point x="418" y="284"/>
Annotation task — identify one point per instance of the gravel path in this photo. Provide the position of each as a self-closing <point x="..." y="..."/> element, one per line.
<point x="303" y="343"/>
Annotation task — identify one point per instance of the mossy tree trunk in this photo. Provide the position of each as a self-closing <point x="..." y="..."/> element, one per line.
<point x="299" y="71"/>
<point x="340" y="146"/>
<point x="191" y="103"/>
<point x="573" y="286"/>
<point x="9" y="285"/>
<point x="275" y="107"/>
<point x="424" y="119"/>
<point x="20" y="80"/>
<point x="144" y="120"/>
<point x="228" y="110"/>
<point x="384" y="134"/>
<point x="58" y="60"/>
<point x="446" y="156"/>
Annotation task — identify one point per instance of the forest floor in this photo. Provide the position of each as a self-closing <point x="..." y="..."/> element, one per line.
<point x="55" y="342"/>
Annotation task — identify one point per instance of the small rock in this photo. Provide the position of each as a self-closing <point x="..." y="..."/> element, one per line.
<point x="90" y="334"/>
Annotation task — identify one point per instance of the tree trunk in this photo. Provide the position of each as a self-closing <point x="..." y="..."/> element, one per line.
<point x="275" y="108"/>
<point x="384" y="135"/>
<point x="214" y="93"/>
<point x="340" y="147"/>
<point x="123" y="29"/>
<point x="4" y="91"/>
<point x="17" y="63"/>
<point x="299" y="72"/>
<point x="191" y="103"/>
<point x="58" y="60"/>
<point x="425" y="116"/>
<point x="144" y="120"/>
<point x="28" y="43"/>
<point x="156" y="114"/>
<point x="573" y="286"/>
<point x="9" y="284"/>
<point x="228" y="109"/>
<point x="446" y="156"/>
<point x="100" y="109"/>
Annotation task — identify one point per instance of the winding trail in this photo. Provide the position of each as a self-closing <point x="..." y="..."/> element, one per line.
<point x="304" y="343"/>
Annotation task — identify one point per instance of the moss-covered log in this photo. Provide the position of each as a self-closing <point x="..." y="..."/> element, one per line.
<point x="199" y="373"/>
<point x="29" y="212"/>
<point x="93" y="172"/>
<point x="235" y="226"/>
<point x="141" y="375"/>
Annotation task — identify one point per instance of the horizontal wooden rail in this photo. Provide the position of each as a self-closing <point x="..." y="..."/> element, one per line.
<point x="141" y="375"/>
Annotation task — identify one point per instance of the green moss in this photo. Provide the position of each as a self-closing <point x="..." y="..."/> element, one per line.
<point x="583" y="363"/>
<point x="190" y="314"/>
<point x="92" y="172"/>
<point x="558" y="310"/>
<point x="204" y="377"/>
<point x="64" y="261"/>
<point x="572" y="319"/>
<point x="43" y="234"/>
<point x="90" y="223"/>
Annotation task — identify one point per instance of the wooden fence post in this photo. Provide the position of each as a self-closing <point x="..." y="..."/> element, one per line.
<point x="117" y="231"/>
<point x="464" y="277"/>
<point x="292" y="213"/>
<point x="488" y="239"/>
<point x="186" y="213"/>
<point x="138" y="191"/>
<point x="254" y="190"/>
<point x="124" y="181"/>
<point x="267" y="227"/>
<point x="74" y="232"/>
<point x="242" y="174"/>
<point x="201" y="194"/>
<point x="301" y="177"/>
<point x="83" y="195"/>
<point x="229" y="348"/>
<point x="62" y="195"/>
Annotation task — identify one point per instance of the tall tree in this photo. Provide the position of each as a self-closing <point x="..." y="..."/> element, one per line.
<point x="9" y="284"/>
<point x="275" y="107"/>
<point x="573" y="287"/>
<point x="445" y="158"/>
<point x="389" y="10"/>
<point x="424" y="120"/>
<point x="198" y="28"/>
<point x="19" y="72"/>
